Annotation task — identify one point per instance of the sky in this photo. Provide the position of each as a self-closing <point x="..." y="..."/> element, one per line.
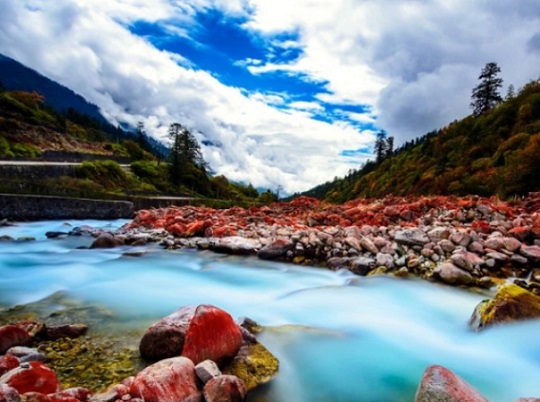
<point x="281" y="94"/>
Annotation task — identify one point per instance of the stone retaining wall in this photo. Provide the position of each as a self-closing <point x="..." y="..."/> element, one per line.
<point x="29" y="207"/>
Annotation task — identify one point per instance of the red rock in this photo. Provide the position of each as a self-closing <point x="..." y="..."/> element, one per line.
<point x="222" y="231"/>
<point x="169" y="380"/>
<point x="480" y="226"/>
<point x="213" y="335"/>
<point x="197" y="332"/>
<point x="197" y="228"/>
<point x="13" y="335"/>
<point x="8" y="394"/>
<point x="32" y="377"/>
<point x="225" y="388"/>
<point x="441" y="385"/>
<point x="177" y="229"/>
<point x="521" y="232"/>
<point x="80" y="393"/>
<point x="8" y="362"/>
<point x="32" y="327"/>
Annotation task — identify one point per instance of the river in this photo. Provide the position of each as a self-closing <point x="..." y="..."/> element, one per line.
<point x="339" y="337"/>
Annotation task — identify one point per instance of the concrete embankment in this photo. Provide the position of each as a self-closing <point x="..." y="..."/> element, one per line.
<point x="30" y="207"/>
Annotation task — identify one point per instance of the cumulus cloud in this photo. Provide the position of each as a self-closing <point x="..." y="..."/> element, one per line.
<point x="411" y="65"/>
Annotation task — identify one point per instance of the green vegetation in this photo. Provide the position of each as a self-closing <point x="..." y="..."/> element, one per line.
<point x="29" y="129"/>
<point x="493" y="153"/>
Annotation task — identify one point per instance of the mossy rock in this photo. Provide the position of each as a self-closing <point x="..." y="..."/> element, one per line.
<point x="511" y="303"/>
<point x="254" y="364"/>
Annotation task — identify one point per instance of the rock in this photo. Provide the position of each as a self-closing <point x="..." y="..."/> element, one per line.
<point x="206" y="370"/>
<point x="521" y="233"/>
<point x="466" y="260"/>
<point x="8" y="362"/>
<point x="368" y="245"/>
<point x="254" y="364"/>
<point x="511" y="244"/>
<point x="362" y="265"/>
<point x="441" y="385"/>
<point x="439" y="233"/>
<point x="461" y="238"/>
<point x="13" y="335"/>
<point x="26" y="354"/>
<point x="452" y="275"/>
<point x="65" y="331"/>
<point x="113" y="393"/>
<point x="225" y="388"/>
<point x="447" y="246"/>
<point x="79" y="393"/>
<point x="9" y="394"/>
<point x="384" y="260"/>
<point x="510" y="303"/>
<point x="532" y="253"/>
<point x="56" y="235"/>
<point x="197" y="332"/>
<point x="169" y="380"/>
<point x="235" y="245"/>
<point x="32" y="377"/>
<point x="411" y="237"/>
<point x="528" y="400"/>
<point x="276" y="249"/>
<point x="104" y="240"/>
<point x="403" y="272"/>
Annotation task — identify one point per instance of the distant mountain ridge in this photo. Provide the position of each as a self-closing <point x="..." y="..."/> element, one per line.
<point x="15" y="76"/>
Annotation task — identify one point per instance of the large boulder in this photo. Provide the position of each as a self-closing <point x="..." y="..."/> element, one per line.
<point x="510" y="303"/>
<point x="13" y="335"/>
<point x="169" y="380"/>
<point x="32" y="377"/>
<point x="441" y="385"/>
<point x="196" y="332"/>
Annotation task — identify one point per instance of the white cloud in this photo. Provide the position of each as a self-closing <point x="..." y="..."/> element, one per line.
<point x="412" y="63"/>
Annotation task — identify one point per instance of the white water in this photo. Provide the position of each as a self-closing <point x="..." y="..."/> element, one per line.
<point x="339" y="337"/>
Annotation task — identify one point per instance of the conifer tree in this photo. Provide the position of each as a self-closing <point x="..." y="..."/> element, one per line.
<point x="380" y="146"/>
<point x="486" y="95"/>
<point x="185" y="155"/>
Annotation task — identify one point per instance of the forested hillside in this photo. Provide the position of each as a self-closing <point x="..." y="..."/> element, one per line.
<point x="496" y="152"/>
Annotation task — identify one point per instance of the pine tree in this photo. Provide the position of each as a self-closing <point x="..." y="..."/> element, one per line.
<point x="185" y="155"/>
<point x="486" y="95"/>
<point x="380" y="146"/>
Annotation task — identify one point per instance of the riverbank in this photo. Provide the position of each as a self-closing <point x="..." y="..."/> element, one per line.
<point x="468" y="241"/>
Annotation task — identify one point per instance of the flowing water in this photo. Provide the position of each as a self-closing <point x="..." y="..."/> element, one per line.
<point x="339" y="337"/>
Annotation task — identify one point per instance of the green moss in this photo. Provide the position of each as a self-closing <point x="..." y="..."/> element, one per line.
<point x="511" y="303"/>
<point x="254" y="364"/>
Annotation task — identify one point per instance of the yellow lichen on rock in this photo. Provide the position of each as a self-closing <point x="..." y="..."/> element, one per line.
<point x="511" y="303"/>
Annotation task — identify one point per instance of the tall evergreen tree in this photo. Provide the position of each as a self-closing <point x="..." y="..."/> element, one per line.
<point x="486" y="95"/>
<point x="380" y="146"/>
<point x="185" y="157"/>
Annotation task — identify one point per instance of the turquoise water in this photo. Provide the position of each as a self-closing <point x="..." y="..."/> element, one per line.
<point x="339" y="337"/>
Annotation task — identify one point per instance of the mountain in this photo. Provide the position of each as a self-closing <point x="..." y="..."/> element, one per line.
<point x="496" y="153"/>
<point x="14" y="76"/>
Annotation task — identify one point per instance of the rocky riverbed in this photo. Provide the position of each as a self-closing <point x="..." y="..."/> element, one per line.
<point x="468" y="241"/>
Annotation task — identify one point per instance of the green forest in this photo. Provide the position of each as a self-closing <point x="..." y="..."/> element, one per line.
<point x="493" y="151"/>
